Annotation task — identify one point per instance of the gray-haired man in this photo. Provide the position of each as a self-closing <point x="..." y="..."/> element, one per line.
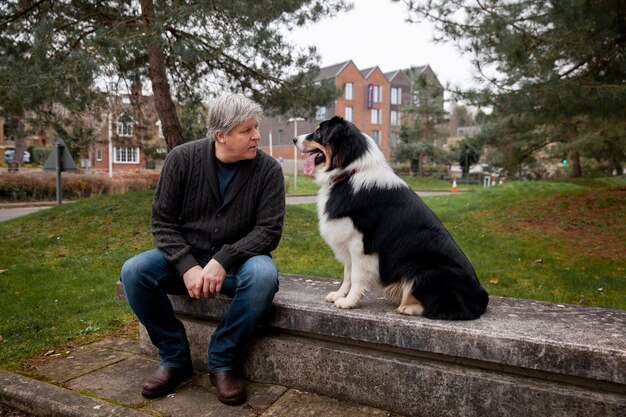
<point x="217" y="214"/>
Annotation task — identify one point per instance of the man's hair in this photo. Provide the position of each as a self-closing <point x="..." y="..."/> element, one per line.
<point x="227" y="111"/>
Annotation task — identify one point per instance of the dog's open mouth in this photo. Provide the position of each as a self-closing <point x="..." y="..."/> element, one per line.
<point x="313" y="159"/>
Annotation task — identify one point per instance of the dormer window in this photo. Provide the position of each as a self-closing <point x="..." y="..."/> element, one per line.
<point x="125" y="125"/>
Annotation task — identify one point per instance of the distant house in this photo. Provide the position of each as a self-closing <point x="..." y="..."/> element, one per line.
<point x="399" y="95"/>
<point x="130" y="137"/>
<point x="369" y="98"/>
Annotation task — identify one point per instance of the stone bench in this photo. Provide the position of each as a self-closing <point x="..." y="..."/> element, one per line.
<point x="522" y="358"/>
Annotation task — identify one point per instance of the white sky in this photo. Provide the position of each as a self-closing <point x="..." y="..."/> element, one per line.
<point x="375" y="32"/>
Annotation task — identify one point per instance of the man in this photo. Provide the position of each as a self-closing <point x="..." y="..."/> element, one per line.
<point x="217" y="214"/>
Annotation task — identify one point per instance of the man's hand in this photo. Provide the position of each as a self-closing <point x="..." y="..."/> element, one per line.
<point x="205" y="282"/>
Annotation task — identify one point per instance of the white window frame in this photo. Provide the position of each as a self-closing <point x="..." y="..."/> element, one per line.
<point x="394" y="118"/>
<point x="126" y="155"/>
<point x="377" y="94"/>
<point x="396" y="95"/>
<point x="376" y="116"/>
<point x="349" y="92"/>
<point x="99" y="154"/>
<point x="349" y="114"/>
<point x="125" y="129"/>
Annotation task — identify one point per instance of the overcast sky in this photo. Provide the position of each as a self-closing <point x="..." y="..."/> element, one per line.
<point x="374" y="33"/>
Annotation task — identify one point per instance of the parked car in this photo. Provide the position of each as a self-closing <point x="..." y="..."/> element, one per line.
<point x="9" y="155"/>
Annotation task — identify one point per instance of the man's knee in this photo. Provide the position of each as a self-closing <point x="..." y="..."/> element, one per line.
<point x="261" y="273"/>
<point x="137" y="269"/>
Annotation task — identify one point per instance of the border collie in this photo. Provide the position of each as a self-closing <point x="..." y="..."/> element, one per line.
<point x="382" y="232"/>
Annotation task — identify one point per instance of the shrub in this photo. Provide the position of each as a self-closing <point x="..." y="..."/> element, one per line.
<point x="41" y="186"/>
<point x="39" y="154"/>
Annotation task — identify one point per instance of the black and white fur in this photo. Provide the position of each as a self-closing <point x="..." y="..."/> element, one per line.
<point x="383" y="232"/>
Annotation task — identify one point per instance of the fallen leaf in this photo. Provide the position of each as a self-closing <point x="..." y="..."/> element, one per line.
<point x="2" y="271"/>
<point x="538" y="261"/>
<point x="50" y="352"/>
<point x="493" y="280"/>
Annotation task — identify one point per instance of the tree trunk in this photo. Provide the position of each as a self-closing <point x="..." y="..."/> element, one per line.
<point x="421" y="164"/>
<point x="577" y="170"/>
<point x="20" y="141"/>
<point x="172" y="130"/>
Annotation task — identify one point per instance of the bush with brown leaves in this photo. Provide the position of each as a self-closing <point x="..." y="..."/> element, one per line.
<point x="41" y="186"/>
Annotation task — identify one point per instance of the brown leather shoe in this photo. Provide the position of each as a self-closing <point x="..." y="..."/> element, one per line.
<point x="164" y="380"/>
<point x="231" y="389"/>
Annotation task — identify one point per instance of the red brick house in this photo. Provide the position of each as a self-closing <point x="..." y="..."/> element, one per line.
<point x="129" y="137"/>
<point x="369" y="98"/>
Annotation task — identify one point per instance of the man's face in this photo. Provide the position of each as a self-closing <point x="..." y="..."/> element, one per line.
<point x="240" y="143"/>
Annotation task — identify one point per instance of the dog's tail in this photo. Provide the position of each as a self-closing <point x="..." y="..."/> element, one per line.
<point x="450" y="297"/>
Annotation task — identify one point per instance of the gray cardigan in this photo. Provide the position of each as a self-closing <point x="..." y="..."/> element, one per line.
<point x="189" y="218"/>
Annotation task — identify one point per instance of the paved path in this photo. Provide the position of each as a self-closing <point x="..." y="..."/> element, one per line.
<point x="112" y="372"/>
<point x="11" y="211"/>
<point x="308" y="199"/>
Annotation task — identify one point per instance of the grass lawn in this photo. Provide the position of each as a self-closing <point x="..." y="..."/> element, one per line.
<point x="553" y="241"/>
<point x="306" y="185"/>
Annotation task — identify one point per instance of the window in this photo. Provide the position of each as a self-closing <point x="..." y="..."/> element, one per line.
<point x="320" y="113"/>
<point x="394" y="120"/>
<point x="125" y="125"/>
<point x="376" y="116"/>
<point x="376" y="136"/>
<point x="396" y="95"/>
<point x="126" y="155"/>
<point x="348" y="115"/>
<point x="349" y="92"/>
<point x="99" y="154"/>
<point x="281" y="136"/>
<point x="377" y="92"/>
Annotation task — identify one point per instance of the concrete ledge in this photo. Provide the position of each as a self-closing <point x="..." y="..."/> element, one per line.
<point x="42" y="399"/>
<point x="521" y="358"/>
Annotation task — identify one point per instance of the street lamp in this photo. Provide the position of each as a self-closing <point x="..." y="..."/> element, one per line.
<point x="110" y="103"/>
<point x="295" y="121"/>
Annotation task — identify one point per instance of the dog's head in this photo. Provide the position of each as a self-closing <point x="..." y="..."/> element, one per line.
<point x="335" y="144"/>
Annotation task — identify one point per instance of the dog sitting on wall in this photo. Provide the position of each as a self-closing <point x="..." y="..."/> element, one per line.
<point x="382" y="232"/>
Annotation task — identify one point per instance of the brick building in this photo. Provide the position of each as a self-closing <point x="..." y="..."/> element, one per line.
<point x="369" y="98"/>
<point x="131" y="135"/>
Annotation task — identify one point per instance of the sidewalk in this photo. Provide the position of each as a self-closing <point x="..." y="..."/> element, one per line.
<point x="105" y="379"/>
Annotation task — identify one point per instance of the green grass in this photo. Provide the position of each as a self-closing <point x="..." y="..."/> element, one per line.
<point x="302" y="185"/>
<point x="552" y="241"/>
<point x="307" y="185"/>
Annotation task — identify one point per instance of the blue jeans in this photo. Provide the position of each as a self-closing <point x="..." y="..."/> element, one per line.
<point x="149" y="277"/>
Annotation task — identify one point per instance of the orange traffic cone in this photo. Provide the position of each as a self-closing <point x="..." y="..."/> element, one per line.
<point x="454" y="189"/>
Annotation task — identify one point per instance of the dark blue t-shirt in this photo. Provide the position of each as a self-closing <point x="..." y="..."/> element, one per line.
<point x="225" y="175"/>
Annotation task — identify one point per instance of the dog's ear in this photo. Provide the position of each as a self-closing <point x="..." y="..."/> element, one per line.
<point x="341" y="137"/>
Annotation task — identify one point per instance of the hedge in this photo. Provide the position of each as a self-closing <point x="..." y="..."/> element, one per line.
<point x="15" y="187"/>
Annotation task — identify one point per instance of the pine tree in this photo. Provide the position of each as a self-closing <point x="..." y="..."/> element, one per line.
<point x="554" y="72"/>
<point x="61" y="52"/>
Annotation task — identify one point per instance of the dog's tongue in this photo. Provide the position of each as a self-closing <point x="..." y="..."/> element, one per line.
<point x="309" y="164"/>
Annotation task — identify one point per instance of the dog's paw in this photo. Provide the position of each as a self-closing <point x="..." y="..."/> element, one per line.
<point x="411" y="309"/>
<point x="331" y="297"/>
<point x="345" y="303"/>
